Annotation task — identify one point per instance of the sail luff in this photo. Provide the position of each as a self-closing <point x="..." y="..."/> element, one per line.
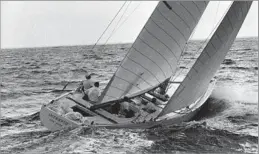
<point x="197" y="80"/>
<point x="156" y="51"/>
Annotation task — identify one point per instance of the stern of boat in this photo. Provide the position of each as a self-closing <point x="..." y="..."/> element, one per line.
<point x="54" y="121"/>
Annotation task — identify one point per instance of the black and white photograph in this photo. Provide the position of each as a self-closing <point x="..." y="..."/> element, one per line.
<point x="129" y="77"/>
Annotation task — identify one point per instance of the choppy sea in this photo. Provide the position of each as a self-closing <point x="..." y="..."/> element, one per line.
<point x="31" y="77"/>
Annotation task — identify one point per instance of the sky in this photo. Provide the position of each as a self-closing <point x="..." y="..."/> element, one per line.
<point x="56" y="23"/>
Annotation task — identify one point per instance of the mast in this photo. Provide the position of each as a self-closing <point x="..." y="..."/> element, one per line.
<point x="155" y="53"/>
<point x="198" y="78"/>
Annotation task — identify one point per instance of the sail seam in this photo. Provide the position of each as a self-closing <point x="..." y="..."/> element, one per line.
<point x="144" y="68"/>
<point x="189" y="13"/>
<point x="150" y="60"/>
<point x="207" y="53"/>
<point x="161" y="42"/>
<point x="197" y="7"/>
<point x="134" y="74"/>
<point x="219" y="38"/>
<point x="213" y="45"/>
<point x="123" y="89"/>
<point x="242" y="11"/>
<point x="167" y="34"/>
<point x="188" y="77"/>
<point x="230" y="22"/>
<point x="235" y="12"/>
<point x="156" y="52"/>
<point x="224" y="29"/>
<point x="195" y="70"/>
<point x="205" y="2"/>
<point x="181" y="19"/>
<point x="247" y="8"/>
<point x="185" y="39"/>
<point x="178" y="93"/>
<point x="200" y="60"/>
<point x="110" y="96"/>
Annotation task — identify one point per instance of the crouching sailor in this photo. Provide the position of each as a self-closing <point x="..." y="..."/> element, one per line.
<point x="93" y="93"/>
<point x="86" y="84"/>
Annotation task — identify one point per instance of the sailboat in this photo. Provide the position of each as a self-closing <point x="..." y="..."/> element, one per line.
<point x="152" y="61"/>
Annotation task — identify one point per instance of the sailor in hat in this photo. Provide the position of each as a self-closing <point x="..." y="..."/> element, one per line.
<point x="88" y="83"/>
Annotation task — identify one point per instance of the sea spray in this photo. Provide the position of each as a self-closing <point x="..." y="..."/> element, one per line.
<point x="235" y="93"/>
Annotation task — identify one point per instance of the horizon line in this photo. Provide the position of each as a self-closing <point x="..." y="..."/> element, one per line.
<point x="56" y="46"/>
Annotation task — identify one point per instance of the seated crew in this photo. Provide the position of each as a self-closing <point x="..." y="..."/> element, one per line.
<point x="162" y="87"/>
<point x="75" y="116"/>
<point x="93" y="93"/>
<point x="126" y="110"/>
<point x="114" y="108"/>
<point x="64" y="108"/>
<point x="148" y="106"/>
<point x="86" y="84"/>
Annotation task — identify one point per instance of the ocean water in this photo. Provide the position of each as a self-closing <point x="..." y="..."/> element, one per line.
<point x="228" y="123"/>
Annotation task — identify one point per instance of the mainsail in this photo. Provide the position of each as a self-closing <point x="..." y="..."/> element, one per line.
<point x="154" y="55"/>
<point x="197" y="80"/>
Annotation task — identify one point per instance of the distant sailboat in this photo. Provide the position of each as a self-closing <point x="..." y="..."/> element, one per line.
<point x="151" y="61"/>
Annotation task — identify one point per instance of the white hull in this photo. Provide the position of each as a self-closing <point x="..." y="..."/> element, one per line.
<point x="54" y="121"/>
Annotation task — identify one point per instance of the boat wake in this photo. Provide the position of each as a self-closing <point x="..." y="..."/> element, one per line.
<point x="199" y="137"/>
<point x="195" y="136"/>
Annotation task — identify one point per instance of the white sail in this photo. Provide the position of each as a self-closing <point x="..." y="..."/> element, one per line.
<point x="154" y="55"/>
<point x="197" y="80"/>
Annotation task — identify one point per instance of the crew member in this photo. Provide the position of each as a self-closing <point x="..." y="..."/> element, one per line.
<point x="93" y="93"/>
<point x="86" y="84"/>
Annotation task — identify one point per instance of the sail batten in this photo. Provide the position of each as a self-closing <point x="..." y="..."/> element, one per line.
<point x="198" y="78"/>
<point x="154" y="55"/>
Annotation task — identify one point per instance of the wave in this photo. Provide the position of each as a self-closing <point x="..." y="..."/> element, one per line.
<point x="20" y="142"/>
<point x="240" y="68"/>
<point x="241" y="49"/>
<point x="92" y="56"/>
<point x="212" y="108"/>
<point x="228" y="62"/>
<point x="244" y="119"/>
<point x="25" y="119"/>
<point x="79" y="70"/>
<point x="196" y="137"/>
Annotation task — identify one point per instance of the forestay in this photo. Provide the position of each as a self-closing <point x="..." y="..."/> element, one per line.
<point x="197" y="80"/>
<point x="154" y="55"/>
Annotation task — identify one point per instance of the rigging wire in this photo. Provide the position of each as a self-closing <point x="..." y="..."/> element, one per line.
<point x="109" y="24"/>
<point x="127" y="17"/>
<point x="104" y="32"/>
<point x="206" y="40"/>
<point x="117" y="24"/>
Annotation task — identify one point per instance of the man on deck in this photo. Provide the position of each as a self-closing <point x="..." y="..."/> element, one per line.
<point x="86" y="84"/>
<point x="93" y="93"/>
